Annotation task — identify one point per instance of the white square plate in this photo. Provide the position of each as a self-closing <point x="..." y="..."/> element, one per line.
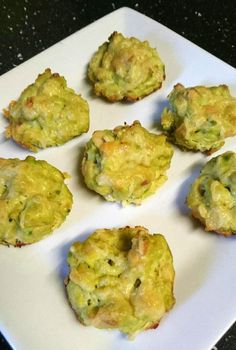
<point x="34" y="312"/>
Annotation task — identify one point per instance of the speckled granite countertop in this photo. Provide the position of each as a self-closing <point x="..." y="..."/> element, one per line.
<point x="28" y="27"/>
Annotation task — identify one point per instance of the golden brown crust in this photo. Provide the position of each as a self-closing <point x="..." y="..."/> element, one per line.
<point x="212" y="195"/>
<point x="199" y="117"/>
<point x="125" y="69"/>
<point x="34" y="200"/>
<point x="134" y="163"/>
<point x="224" y="233"/>
<point x="121" y="278"/>
<point x="154" y="326"/>
<point x="47" y="114"/>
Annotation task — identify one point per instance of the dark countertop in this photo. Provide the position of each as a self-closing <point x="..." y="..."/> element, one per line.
<point x="28" y="27"/>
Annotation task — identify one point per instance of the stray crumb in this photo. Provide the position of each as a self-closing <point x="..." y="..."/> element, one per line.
<point x="19" y="55"/>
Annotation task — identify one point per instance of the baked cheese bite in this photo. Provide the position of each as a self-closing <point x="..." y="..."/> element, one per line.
<point x="212" y="196"/>
<point x="47" y="113"/>
<point x="126" y="164"/>
<point x="34" y="200"/>
<point x="121" y="279"/>
<point x="200" y="118"/>
<point x="125" y="69"/>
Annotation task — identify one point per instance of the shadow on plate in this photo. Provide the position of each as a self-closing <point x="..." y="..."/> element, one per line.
<point x="156" y="116"/>
<point x="184" y="188"/>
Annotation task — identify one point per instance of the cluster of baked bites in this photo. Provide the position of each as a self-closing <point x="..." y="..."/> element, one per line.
<point x="126" y="164"/>
<point x="119" y="278"/>
<point x="49" y="113"/>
